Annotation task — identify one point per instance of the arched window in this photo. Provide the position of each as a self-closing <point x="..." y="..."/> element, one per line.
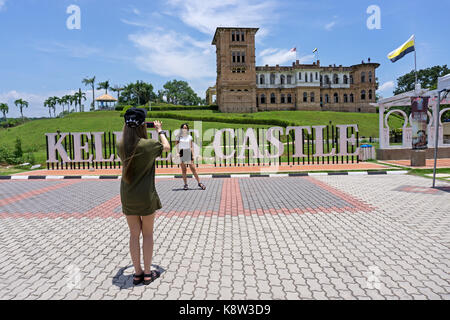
<point x="306" y="77"/>
<point x="370" y="94"/>
<point x="289" y="98"/>
<point x="363" y="95"/>
<point x="299" y="76"/>
<point x="345" y="79"/>
<point x="351" y="98"/>
<point x="336" y="97"/>
<point x="282" y="79"/>
<point x="305" y="97"/>
<point x="345" y="98"/>
<point x="289" y="79"/>
<point x="311" y="96"/>
<point x="363" y="76"/>
<point x="317" y="76"/>
<point x="370" y="76"/>
<point x="327" y="98"/>
<point x="335" y="79"/>
<point x="263" y="98"/>
<point x="262" y="79"/>
<point x="282" y="98"/>
<point x="327" y="79"/>
<point x="311" y="79"/>
<point x="272" y="78"/>
<point x="272" y="98"/>
<point x="351" y="79"/>
<point x="321" y="80"/>
<point x="321" y="98"/>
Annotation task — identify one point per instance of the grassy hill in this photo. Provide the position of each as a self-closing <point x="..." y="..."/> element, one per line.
<point x="33" y="132"/>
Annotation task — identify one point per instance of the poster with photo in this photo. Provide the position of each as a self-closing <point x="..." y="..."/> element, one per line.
<point x="419" y="108"/>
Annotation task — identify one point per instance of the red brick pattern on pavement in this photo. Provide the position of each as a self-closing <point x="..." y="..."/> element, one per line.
<point x="440" y="163"/>
<point x="231" y="203"/>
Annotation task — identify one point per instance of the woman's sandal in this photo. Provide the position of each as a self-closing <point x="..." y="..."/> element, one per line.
<point x="153" y="275"/>
<point x="201" y="185"/>
<point x="138" y="278"/>
<point x="185" y="187"/>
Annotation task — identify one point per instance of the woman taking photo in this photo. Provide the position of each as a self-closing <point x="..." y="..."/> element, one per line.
<point x="137" y="187"/>
<point x="185" y="149"/>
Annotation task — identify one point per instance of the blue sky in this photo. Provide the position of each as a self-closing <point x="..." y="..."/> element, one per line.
<point x="161" y="40"/>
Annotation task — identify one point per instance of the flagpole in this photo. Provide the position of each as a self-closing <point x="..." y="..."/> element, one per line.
<point x="415" y="64"/>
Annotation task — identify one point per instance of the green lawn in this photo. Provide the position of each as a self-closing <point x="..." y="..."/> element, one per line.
<point x="32" y="133"/>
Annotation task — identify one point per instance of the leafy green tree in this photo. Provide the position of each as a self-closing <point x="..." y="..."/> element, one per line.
<point x="21" y="104"/>
<point x="426" y="77"/>
<point x="48" y="104"/>
<point x="136" y="94"/>
<point x="4" y="109"/>
<point x="179" y="92"/>
<point x="18" y="148"/>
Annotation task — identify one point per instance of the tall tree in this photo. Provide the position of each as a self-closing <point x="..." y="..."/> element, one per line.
<point x="117" y="89"/>
<point x="138" y="93"/>
<point x="21" y="104"/>
<point x="426" y="77"/>
<point x="91" y="82"/>
<point x="4" y="109"/>
<point x="79" y="96"/>
<point x="48" y="104"/>
<point x="103" y="85"/>
<point x="179" y="92"/>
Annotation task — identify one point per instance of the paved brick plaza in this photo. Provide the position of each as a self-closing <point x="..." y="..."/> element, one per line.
<point x="331" y="237"/>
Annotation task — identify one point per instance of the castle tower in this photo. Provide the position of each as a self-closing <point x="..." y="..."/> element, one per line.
<point x="236" y="70"/>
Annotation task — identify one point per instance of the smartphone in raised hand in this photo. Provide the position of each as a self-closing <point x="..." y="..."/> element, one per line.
<point x="150" y="124"/>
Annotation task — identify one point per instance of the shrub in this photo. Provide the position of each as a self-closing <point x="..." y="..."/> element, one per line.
<point x="18" y="148"/>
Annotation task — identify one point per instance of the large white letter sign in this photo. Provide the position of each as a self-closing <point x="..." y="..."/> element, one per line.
<point x="299" y="139"/>
<point x="273" y="140"/>
<point x="78" y="147"/>
<point x="52" y="147"/>
<point x="99" y="149"/>
<point x="253" y="145"/>
<point x="343" y="139"/>
<point x="217" y="139"/>
<point x="319" y="143"/>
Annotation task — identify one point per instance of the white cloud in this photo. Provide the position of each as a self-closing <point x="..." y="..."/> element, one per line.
<point x="330" y="25"/>
<point x="389" y="85"/>
<point x="205" y="16"/>
<point x="168" y="53"/>
<point x="76" y="50"/>
<point x="272" y="56"/>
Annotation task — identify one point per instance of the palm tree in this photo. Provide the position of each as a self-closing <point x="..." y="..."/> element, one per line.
<point x="54" y="103"/>
<point x="104" y="85"/>
<point x="48" y="104"/>
<point x="4" y="109"/>
<point x="91" y="82"/>
<point x="70" y="100"/>
<point x="21" y="104"/>
<point x="117" y="89"/>
<point x="79" y="97"/>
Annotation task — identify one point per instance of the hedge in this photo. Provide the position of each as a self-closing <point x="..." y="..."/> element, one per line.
<point x="278" y="122"/>
<point x="170" y="107"/>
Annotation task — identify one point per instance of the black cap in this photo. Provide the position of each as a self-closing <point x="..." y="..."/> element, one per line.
<point x="135" y="117"/>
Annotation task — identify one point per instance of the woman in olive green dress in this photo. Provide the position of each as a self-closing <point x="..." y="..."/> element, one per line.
<point x="137" y="187"/>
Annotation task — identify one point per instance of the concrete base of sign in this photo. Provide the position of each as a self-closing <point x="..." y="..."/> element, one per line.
<point x="418" y="158"/>
<point x="405" y="154"/>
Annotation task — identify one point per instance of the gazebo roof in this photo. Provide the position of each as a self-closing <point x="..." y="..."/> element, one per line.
<point x="105" y="97"/>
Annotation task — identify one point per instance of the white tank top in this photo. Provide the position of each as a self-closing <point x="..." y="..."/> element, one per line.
<point x="185" y="141"/>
